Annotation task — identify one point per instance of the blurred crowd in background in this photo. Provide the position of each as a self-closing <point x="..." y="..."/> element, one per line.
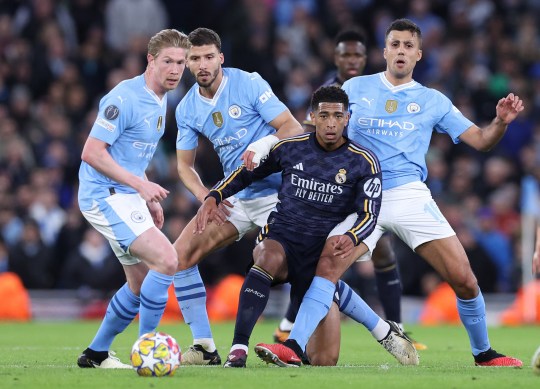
<point x="58" y="58"/>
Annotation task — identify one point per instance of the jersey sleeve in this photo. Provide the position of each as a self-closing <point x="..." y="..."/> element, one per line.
<point x="187" y="137"/>
<point x="452" y="120"/>
<point x="241" y="178"/>
<point x="263" y="98"/>
<point x="368" y="199"/>
<point x="114" y="116"/>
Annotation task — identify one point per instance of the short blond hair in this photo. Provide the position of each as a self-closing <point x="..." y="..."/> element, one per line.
<point x="167" y="38"/>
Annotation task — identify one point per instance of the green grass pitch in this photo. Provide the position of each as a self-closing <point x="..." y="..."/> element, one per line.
<point x="43" y="355"/>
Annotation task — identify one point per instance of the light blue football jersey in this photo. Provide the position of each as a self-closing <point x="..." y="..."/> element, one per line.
<point x="396" y="123"/>
<point x="131" y="119"/>
<point x="237" y="116"/>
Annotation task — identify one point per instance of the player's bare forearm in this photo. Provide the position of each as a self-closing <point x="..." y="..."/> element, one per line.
<point x="96" y="155"/>
<point x="536" y="255"/>
<point x="286" y="125"/>
<point x="484" y="139"/>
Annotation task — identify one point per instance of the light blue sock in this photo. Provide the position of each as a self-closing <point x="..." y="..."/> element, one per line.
<point x="473" y="316"/>
<point x="121" y="311"/>
<point x="153" y="300"/>
<point x="352" y="305"/>
<point x="313" y="309"/>
<point x="191" y="295"/>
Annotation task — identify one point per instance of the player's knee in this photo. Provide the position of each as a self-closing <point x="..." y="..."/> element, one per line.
<point x="465" y="285"/>
<point x="383" y="257"/>
<point x="168" y="261"/>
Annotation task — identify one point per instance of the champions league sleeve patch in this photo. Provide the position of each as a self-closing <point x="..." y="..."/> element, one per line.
<point x="111" y="112"/>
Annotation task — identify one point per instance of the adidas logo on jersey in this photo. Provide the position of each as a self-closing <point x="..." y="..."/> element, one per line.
<point x="299" y="166"/>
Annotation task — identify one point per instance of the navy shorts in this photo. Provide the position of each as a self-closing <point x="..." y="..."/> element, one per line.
<point x="302" y="252"/>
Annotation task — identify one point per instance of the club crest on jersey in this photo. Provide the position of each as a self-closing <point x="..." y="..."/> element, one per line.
<point x="341" y="177"/>
<point x="137" y="217"/>
<point x="159" y="123"/>
<point x="111" y="112"/>
<point x="235" y="111"/>
<point x="217" y="118"/>
<point x="391" y="106"/>
<point x="413" y="108"/>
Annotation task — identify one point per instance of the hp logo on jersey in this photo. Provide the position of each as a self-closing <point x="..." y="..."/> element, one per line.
<point x="373" y="187"/>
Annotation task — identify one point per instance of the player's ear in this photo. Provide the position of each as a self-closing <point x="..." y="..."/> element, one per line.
<point x="384" y="53"/>
<point x="419" y="55"/>
<point x="221" y="58"/>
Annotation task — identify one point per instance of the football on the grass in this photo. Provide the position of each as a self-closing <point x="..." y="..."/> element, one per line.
<point x="155" y="354"/>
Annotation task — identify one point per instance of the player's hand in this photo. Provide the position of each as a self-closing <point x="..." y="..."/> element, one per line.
<point x="157" y="213"/>
<point x="343" y="247"/>
<point x="151" y="192"/>
<point x="536" y="262"/>
<point x="509" y="107"/>
<point x="205" y="214"/>
<point x="222" y="213"/>
<point x="258" y="150"/>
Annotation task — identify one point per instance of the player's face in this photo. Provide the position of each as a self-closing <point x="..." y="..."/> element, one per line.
<point x="167" y="69"/>
<point x="204" y="62"/>
<point x="402" y="51"/>
<point x="330" y="120"/>
<point x="350" y="59"/>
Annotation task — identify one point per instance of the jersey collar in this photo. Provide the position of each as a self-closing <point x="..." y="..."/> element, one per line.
<point x="397" y="88"/>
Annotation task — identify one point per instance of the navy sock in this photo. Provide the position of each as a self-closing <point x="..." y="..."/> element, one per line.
<point x="389" y="290"/>
<point x="253" y="299"/>
<point x="291" y="313"/>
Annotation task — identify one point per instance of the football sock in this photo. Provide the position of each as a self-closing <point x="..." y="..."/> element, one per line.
<point x="290" y="315"/>
<point x="352" y="305"/>
<point x="473" y="316"/>
<point x="121" y="311"/>
<point x="285" y="324"/>
<point x="313" y="309"/>
<point x="191" y="295"/>
<point x="389" y="291"/>
<point x="154" y="298"/>
<point x="253" y="299"/>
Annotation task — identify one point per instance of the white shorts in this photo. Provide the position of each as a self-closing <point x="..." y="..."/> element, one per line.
<point x="250" y="213"/>
<point x="121" y="218"/>
<point x="410" y="212"/>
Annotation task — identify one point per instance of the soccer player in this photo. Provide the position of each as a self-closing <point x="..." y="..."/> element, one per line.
<point x="350" y="59"/>
<point x="238" y="112"/>
<point x="325" y="178"/>
<point x="394" y="116"/>
<point x="121" y="203"/>
<point x="536" y="270"/>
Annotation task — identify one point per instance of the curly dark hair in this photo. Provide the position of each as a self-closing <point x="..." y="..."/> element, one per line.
<point x="329" y="94"/>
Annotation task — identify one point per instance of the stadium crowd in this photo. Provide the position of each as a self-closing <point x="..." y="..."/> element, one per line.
<point x="58" y="58"/>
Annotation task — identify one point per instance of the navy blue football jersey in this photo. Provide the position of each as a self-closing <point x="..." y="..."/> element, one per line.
<point x="319" y="188"/>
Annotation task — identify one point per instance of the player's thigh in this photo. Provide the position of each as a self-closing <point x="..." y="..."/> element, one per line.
<point x="323" y="346"/>
<point x="332" y="267"/>
<point x="154" y="248"/>
<point x="192" y="248"/>
<point x="447" y="256"/>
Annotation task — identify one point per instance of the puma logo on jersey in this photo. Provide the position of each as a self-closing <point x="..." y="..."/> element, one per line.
<point x="367" y="101"/>
<point x="121" y="99"/>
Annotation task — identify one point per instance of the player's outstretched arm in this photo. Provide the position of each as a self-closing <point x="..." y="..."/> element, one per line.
<point x="483" y="139"/>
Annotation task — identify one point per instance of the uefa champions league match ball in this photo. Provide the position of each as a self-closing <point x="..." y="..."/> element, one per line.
<point x="155" y="354"/>
<point x="536" y="362"/>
